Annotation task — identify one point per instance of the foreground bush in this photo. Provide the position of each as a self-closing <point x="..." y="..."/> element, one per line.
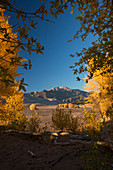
<point x="59" y="119"/>
<point x="91" y="123"/>
<point x="33" y="123"/>
<point x="9" y="111"/>
<point x="97" y="158"/>
<point x="64" y="121"/>
<point x="73" y="124"/>
<point x="22" y="122"/>
<point x="19" y="122"/>
<point x="12" y="116"/>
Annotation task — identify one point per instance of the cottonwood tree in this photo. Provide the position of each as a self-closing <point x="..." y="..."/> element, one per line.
<point x="13" y="97"/>
<point x="101" y="87"/>
<point x="8" y="70"/>
<point x="95" y="17"/>
<point x="26" y="22"/>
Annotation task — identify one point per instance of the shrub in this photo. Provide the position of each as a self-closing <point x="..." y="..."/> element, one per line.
<point x="12" y="117"/>
<point x="72" y="124"/>
<point x="60" y="105"/>
<point x="97" y="157"/>
<point x="33" y="123"/>
<point x="22" y="122"/>
<point x="10" y="110"/>
<point x="76" y="106"/>
<point x="59" y="119"/>
<point x="64" y="121"/>
<point x="32" y="107"/>
<point x="91" y="123"/>
<point x="65" y="105"/>
<point x="70" y="105"/>
<point x="19" y="122"/>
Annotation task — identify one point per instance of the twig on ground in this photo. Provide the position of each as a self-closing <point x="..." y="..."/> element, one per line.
<point x="32" y="154"/>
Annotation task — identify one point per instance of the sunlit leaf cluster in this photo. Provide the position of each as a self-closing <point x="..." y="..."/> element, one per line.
<point x="101" y="87"/>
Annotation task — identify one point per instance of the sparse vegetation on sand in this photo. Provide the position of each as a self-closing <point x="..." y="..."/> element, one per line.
<point x="66" y="105"/>
<point x="62" y="120"/>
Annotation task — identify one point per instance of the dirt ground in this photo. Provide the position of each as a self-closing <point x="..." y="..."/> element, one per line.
<point x="15" y="154"/>
<point x="37" y="152"/>
<point x="29" y="152"/>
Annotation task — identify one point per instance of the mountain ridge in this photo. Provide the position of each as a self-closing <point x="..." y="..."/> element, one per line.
<point x="56" y="95"/>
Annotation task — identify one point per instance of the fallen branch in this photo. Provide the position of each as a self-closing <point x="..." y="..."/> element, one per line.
<point x="21" y="132"/>
<point x="79" y="139"/>
<point x="71" y="142"/>
<point x="32" y="154"/>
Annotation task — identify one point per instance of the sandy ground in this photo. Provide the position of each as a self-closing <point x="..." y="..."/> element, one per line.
<point x="45" y="113"/>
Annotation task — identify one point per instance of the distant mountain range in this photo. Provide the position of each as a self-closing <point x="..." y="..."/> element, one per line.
<point x="56" y="95"/>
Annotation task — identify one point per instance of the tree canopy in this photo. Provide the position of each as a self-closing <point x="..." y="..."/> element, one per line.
<point x="95" y="17"/>
<point x="101" y="91"/>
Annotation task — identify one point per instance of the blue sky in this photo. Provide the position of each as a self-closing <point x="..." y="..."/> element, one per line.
<point x="52" y="69"/>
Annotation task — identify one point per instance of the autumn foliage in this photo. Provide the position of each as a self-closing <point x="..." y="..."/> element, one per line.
<point x="101" y="87"/>
<point x="8" y="71"/>
<point x="11" y="107"/>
